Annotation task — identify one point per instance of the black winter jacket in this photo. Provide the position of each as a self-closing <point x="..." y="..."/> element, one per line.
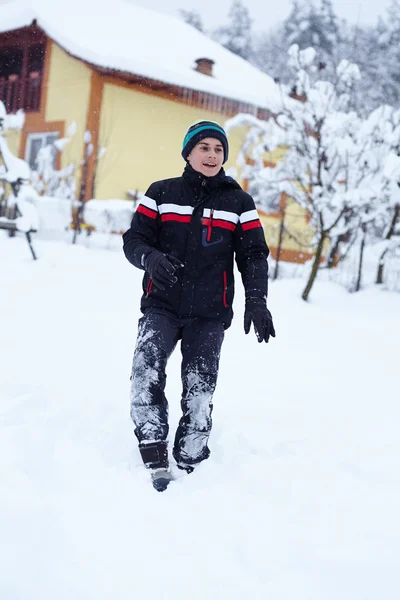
<point x="202" y="221"/>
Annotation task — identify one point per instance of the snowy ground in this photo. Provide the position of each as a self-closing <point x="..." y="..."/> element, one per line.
<point x="300" y="498"/>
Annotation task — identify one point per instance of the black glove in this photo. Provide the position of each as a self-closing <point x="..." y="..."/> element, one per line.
<point x="161" y="268"/>
<point x="256" y="311"/>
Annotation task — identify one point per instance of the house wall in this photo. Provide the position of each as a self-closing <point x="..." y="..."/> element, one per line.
<point x="293" y="248"/>
<point x="68" y="100"/>
<point x="297" y="235"/>
<point x="143" y="135"/>
<point x="13" y="137"/>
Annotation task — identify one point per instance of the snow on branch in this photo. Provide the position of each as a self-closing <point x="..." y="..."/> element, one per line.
<point x="13" y="121"/>
<point x="13" y="168"/>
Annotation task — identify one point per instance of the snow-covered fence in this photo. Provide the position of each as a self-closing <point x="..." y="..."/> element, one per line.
<point x="392" y="272"/>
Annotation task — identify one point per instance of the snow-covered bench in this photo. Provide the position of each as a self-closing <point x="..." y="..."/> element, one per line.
<point x="19" y="224"/>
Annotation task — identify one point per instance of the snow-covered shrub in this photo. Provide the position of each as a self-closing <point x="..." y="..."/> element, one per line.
<point x="109" y="216"/>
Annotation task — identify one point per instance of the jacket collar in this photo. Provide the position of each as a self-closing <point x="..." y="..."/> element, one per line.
<point x="197" y="180"/>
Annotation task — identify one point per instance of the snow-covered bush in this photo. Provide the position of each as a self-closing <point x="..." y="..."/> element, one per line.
<point x="27" y="213"/>
<point x="48" y="181"/>
<point x="109" y="216"/>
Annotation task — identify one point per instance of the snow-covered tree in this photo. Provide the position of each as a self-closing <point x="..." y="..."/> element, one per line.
<point x="193" y="18"/>
<point x="338" y="166"/>
<point x="360" y="43"/>
<point x="375" y="49"/>
<point x="387" y="60"/>
<point x="49" y="181"/>
<point x="269" y="53"/>
<point x="381" y="218"/>
<point x="387" y="127"/>
<point x="237" y="34"/>
<point x="310" y="25"/>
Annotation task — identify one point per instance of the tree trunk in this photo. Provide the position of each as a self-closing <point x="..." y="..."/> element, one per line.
<point x="315" y="267"/>
<point x="381" y="266"/>
<point x="396" y="215"/>
<point x="78" y="221"/>
<point x="330" y="261"/>
<point x="96" y="164"/>
<point x="360" y="264"/>
<point x="279" y="248"/>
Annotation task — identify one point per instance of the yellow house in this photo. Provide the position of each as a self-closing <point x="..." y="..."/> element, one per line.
<point x="134" y="78"/>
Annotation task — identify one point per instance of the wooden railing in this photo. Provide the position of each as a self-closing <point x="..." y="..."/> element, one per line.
<point x="21" y="92"/>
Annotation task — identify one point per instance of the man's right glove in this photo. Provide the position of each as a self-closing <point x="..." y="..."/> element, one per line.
<point x="256" y="312"/>
<point x="161" y="268"/>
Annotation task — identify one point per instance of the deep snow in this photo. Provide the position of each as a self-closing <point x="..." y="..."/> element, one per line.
<point x="300" y="497"/>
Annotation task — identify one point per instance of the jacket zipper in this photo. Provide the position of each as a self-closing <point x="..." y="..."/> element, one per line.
<point x="149" y="286"/>
<point x="225" y="290"/>
<point x="209" y="228"/>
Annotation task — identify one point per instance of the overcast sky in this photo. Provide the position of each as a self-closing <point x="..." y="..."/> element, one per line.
<point x="266" y="12"/>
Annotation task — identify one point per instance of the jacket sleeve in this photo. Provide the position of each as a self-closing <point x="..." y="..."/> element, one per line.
<point x="142" y="236"/>
<point x="251" y="250"/>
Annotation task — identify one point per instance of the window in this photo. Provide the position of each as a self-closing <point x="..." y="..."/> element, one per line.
<point x="11" y="62"/>
<point x="37" y="141"/>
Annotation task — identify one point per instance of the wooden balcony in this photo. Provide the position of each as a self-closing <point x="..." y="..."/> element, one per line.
<point x="21" y="92"/>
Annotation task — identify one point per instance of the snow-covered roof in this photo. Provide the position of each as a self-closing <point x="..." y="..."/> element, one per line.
<point x="122" y="36"/>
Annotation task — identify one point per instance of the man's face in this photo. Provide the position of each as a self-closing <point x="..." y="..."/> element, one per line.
<point x="207" y="157"/>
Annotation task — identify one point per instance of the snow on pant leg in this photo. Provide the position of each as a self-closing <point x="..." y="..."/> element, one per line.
<point x="201" y="348"/>
<point x="157" y="337"/>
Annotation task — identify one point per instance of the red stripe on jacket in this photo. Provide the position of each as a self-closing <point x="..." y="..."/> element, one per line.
<point x="251" y="225"/>
<point x="147" y="211"/>
<point x="219" y="223"/>
<point x="173" y="217"/>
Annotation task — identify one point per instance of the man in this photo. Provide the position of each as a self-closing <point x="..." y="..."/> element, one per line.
<point x="185" y="235"/>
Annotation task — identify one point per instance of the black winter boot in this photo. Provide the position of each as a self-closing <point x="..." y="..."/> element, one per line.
<point x="160" y="479"/>
<point x="154" y="454"/>
<point x="183" y="467"/>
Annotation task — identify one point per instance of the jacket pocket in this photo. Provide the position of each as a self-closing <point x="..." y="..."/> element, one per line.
<point x="224" y="295"/>
<point x="210" y="224"/>
<point x="149" y="287"/>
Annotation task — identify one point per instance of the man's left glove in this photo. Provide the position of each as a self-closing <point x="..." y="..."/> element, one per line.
<point x="256" y="312"/>
<point x="161" y="268"/>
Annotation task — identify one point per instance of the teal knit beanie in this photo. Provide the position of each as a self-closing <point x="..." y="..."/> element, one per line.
<point x="204" y="129"/>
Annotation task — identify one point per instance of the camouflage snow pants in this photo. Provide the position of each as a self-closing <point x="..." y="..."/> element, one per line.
<point x="201" y="341"/>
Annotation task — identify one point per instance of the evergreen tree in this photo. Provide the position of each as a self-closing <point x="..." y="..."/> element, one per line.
<point x="310" y="25"/>
<point x="270" y="54"/>
<point x="237" y="35"/>
<point x="191" y="17"/>
<point x="375" y="49"/>
<point x="360" y="43"/>
<point x="386" y="63"/>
